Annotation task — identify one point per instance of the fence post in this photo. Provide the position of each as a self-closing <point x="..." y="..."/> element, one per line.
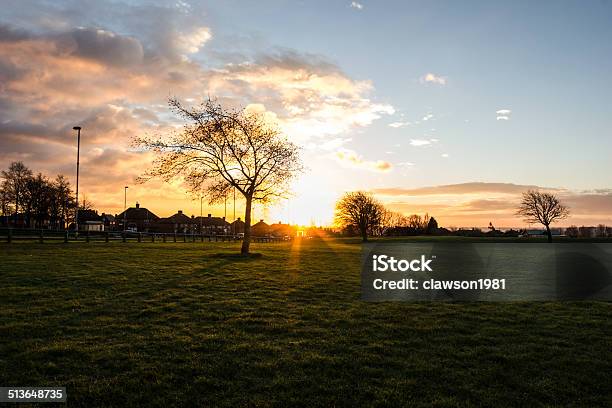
<point x="153" y="238"/>
<point x="9" y="236"/>
<point x="123" y="236"/>
<point x="184" y="237"/>
<point x="87" y="236"/>
<point x="41" y="236"/>
<point x="140" y="237"/>
<point x="202" y="237"/>
<point x="164" y="237"/>
<point x="106" y="236"/>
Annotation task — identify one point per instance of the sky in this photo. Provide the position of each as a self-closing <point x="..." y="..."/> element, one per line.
<point x="449" y="108"/>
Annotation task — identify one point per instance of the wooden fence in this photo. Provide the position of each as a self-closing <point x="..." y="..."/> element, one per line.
<point x="10" y="235"/>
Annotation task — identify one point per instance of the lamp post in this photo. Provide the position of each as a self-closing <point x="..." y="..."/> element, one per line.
<point x="76" y="213"/>
<point x="124" y="205"/>
<point x="201" y="214"/>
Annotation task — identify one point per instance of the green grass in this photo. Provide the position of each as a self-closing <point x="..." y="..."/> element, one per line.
<point x="164" y="325"/>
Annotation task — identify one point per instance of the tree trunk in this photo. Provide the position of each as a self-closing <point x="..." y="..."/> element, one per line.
<point x="246" y="240"/>
<point x="548" y="233"/>
<point x="364" y="234"/>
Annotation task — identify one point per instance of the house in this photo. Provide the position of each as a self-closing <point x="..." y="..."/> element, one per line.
<point x="261" y="229"/>
<point x="237" y="227"/>
<point x="282" y="230"/>
<point x="179" y="223"/>
<point x="212" y="225"/>
<point x="136" y="219"/>
<point x="109" y="222"/>
<point x="89" y="220"/>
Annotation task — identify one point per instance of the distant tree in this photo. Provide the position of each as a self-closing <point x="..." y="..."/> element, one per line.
<point x="391" y="219"/>
<point x="586" y="232"/>
<point x="491" y="227"/>
<point x="543" y="208"/>
<point x="359" y="210"/>
<point x="38" y="199"/>
<point x="601" y="231"/>
<point x="86" y="204"/>
<point x="415" y="221"/>
<point x="220" y="149"/>
<point x="572" y="231"/>
<point x="62" y="209"/>
<point x="13" y="187"/>
<point x="424" y="223"/>
<point x="432" y="226"/>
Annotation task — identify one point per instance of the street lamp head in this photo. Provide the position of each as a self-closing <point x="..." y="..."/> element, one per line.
<point x="76" y="128"/>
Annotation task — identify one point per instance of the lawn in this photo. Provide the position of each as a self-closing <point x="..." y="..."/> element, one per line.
<point x="163" y="325"/>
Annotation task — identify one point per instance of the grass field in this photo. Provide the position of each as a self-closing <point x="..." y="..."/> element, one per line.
<point x="163" y="325"/>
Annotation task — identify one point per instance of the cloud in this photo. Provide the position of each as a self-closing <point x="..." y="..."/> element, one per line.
<point x="503" y="114"/>
<point x="113" y="73"/>
<point x="464" y="188"/>
<point x="405" y="164"/>
<point x="192" y="42"/>
<point x="433" y="79"/>
<point x="422" y="142"/>
<point x="357" y="5"/>
<point x="478" y="203"/>
<point x="427" y="117"/>
<point x="334" y="143"/>
<point x="445" y="155"/>
<point x="105" y="46"/>
<point x="352" y="159"/>
<point x="399" y="124"/>
<point x="312" y="97"/>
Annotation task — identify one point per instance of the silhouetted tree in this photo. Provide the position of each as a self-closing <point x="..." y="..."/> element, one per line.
<point x="572" y="231"/>
<point x="360" y="210"/>
<point x="62" y="208"/>
<point x="220" y="149"/>
<point x="37" y="199"/>
<point x="391" y="219"/>
<point x="432" y="226"/>
<point x="13" y="187"/>
<point x="415" y="221"/>
<point x="543" y="208"/>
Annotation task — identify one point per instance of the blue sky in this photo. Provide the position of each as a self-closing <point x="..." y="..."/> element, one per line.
<point x="476" y="92"/>
<point x="549" y="62"/>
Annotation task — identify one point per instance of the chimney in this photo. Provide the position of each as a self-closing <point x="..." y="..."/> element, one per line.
<point x="209" y="215"/>
<point x="223" y="218"/>
<point x="137" y="204"/>
<point x="261" y="220"/>
<point x="180" y="211"/>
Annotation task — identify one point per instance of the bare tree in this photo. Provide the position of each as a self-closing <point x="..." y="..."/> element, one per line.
<point x="14" y="185"/>
<point x="543" y="208"/>
<point x="391" y="219"/>
<point x="222" y="148"/>
<point x="360" y="210"/>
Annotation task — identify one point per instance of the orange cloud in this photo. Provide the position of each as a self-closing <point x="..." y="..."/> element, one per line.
<point x="352" y="159"/>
